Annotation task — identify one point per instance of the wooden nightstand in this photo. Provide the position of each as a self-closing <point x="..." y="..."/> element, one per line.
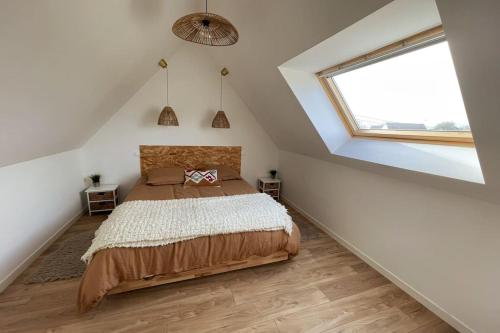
<point x="102" y="198"/>
<point x="270" y="186"/>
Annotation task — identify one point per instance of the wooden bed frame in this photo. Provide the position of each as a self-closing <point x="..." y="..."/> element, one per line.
<point x="193" y="157"/>
<point x="199" y="272"/>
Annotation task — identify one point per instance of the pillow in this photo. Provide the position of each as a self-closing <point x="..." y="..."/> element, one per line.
<point x="166" y="176"/>
<point x="201" y="178"/>
<point x="224" y="172"/>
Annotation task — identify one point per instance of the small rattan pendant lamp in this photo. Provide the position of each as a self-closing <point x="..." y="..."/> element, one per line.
<point x="206" y="28"/>
<point x="167" y="115"/>
<point x="220" y="120"/>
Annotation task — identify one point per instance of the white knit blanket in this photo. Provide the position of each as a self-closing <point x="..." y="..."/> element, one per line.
<point x="161" y="222"/>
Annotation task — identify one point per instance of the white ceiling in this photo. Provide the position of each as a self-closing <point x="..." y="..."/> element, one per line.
<point x="67" y="65"/>
<point x="272" y="32"/>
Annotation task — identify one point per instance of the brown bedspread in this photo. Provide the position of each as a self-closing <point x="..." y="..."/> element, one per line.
<point x="110" y="267"/>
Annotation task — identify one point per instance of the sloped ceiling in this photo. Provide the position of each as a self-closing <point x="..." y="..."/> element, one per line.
<point x="67" y="65"/>
<point x="272" y="32"/>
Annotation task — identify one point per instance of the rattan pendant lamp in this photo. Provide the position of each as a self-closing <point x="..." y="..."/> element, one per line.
<point x="220" y="119"/>
<point x="206" y="28"/>
<point x="167" y="115"/>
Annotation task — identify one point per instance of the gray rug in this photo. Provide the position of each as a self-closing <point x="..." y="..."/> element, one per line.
<point x="308" y="231"/>
<point x="64" y="263"/>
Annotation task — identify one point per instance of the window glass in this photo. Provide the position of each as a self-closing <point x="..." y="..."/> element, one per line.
<point x="417" y="90"/>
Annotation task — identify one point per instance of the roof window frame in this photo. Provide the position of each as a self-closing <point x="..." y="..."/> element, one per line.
<point x="409" y="44"/>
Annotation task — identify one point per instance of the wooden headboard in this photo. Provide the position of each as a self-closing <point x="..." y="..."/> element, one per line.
<point x="188" y="157"/>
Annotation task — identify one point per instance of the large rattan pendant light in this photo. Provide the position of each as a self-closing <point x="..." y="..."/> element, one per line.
<point x="167" y="115"/>
<point x="220" y="120"/>
<point x="206" y="28"/>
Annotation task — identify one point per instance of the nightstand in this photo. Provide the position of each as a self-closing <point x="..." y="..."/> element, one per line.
<point x="270" y="186"/>
<point x="102" y="198"/>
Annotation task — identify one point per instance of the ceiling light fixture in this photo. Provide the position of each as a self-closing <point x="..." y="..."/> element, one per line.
<point x="206" y="28"/>
<point x="220" y="120"/>
<point x="167" y="115"/>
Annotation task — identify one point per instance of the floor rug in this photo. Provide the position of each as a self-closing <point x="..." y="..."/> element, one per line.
<point x="64" y="263"/>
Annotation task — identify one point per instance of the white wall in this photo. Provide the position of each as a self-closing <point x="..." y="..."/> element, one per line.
<point x="445" y="246"/>
<point x="194" y="94"/>
<point x="38" y="198"/>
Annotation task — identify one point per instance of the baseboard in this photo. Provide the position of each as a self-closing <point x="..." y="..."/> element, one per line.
<point x="424" y="300"/>
<point x="29" y="260"/>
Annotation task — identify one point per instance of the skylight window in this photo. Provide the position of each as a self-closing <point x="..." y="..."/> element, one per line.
<point x="405" y="91"/>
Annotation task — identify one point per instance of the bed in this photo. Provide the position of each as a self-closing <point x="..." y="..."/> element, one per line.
<point x="120" y="269"/>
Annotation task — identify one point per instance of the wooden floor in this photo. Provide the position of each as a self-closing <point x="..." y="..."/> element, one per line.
<point x="324" y="289"/>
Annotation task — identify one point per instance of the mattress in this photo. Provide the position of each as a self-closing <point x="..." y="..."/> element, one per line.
<point x="110" y="267"/>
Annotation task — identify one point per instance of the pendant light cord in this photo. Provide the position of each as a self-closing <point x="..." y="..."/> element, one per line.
<point x="206" y="6"/>
<point x="167" y="87"/>
<point x="221" y="92"/>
